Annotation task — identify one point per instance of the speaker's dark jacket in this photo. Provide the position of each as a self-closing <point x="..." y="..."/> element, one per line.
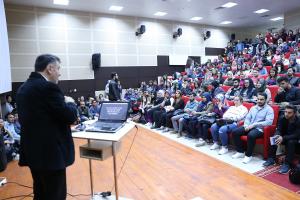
<point x="46" y="140"/>
<point x="114" y="92"/>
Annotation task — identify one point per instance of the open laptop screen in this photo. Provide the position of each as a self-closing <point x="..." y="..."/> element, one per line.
<point x="115" y="111"/>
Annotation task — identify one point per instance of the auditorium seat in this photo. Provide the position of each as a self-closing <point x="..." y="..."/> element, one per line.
<point x="268" y="132"/>
<point x="185" y="99"/>
<point x="273" y="89"/>
<point x="264" y="76"/>
<point x="268" y="68"/>
<point x="225" y="87"/>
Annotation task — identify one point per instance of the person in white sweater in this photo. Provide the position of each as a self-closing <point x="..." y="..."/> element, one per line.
<point x="230" y="119"/>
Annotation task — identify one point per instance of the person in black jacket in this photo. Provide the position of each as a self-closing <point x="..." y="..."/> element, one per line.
<point x="287" y="93"/>
<point x="114" y="92"/>
<point x="45" y="116"/>
<point x="288" y="134"/>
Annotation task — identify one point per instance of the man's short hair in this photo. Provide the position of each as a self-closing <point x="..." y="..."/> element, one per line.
<point x="113" y="74"/>
<point x="42" y="61"/>
<point x="236" y="79"/>
<point x="282" y="78"/>
<point x="263" y="94"/>
<point x="292" y="107"/>
<point x="294" y="70"/>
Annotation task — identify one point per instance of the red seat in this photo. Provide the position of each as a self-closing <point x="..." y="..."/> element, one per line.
<point x="273" y="89"/>
<point x="225" y="87"/>
<point x="268" y="68"/>
<point x="264" y="76"/>
<point x="246" y="104"/>
<point x="185" y="99"/>
<point x="297" y="74"/>
<point x="268" y="132"/>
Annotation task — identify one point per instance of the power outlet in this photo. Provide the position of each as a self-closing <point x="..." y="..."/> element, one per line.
<point x="3" y="181"/>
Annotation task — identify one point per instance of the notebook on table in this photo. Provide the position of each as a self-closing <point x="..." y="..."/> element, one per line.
<point x="112" y="118"/>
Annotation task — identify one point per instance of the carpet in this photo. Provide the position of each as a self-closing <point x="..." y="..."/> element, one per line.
<point x="271" y="174"/>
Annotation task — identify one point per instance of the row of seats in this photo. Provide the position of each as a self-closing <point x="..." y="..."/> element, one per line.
<point x="268" y="130"/>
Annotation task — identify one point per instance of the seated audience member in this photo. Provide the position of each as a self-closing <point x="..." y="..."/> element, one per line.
<point x="198" y="129"/>
<point x="261" y="87"/>
<point x="262" y="70"/>
<point x="9" y="107"/>
<point x="272" y="78"/>
<point x="279" y="66"/>
<point x="220" y="78"/>
<point x="191" y="122"/>
<point x="167" y="102"/>
<point x="185" y="88"/>
<point x="255" y="75"/>
<point x="9" y="126"/>
<point x="176" y="107"/>
<point x="11" y="147"/>
<point x="157" y="104"/>
<point x="17" y="124"/>
<point x="230" y="121"/>
<point x="248" y="90"/>
<point x="293" y="64"/>
<point x="83" y="112"/>
<point x="259" y="116"/>
<point x="216" y="89"/>
<point x="234" y="90"/>
<point x="188" y="109"/>
<point x="287" y="93"/>
<point x="287" y="134"/>
<point x="229" y="80"/>
<point x="293" y="80"/>
<point x="94" y="109"/>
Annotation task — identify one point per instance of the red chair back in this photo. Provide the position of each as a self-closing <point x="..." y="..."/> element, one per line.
<point x="248" y="105"/>
<point x="225" y="87"/>
<point x="273" y="89"/>
<point x="297" y="74"/>
<point x="268" y="68"/>
<point x="185" y="99"/>
<point x="198" y="99"/>
<point x="276" y="113"/>
<point x="264" y="76"/>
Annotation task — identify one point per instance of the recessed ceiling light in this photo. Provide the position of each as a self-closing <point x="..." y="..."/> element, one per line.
<point x="160" y="13"/>
<point x="229" y="5"/>
<point x="61" y="2"/>
<point x="261" y="11"/>
<point x="196" y="18"/>
<point x="226" y="22"/>
<point x="115" y="8"/>
<point x="276" y="18"/>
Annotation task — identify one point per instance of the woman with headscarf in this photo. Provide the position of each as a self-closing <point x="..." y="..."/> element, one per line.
<point x="194" y="128"/>
<point x="216" y="89"/>
<point x="261" y="87"/>
<point x="248" y="90"/>
<point x="272" y="78"/>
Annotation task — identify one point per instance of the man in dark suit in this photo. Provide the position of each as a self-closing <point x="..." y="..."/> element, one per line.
<point x="45" y="115"/>
<point x="114" y="92"/>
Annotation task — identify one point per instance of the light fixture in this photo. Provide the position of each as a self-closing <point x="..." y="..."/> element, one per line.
<point x="61" y="2"/>
<point x="276" y="18"/>
<point x="226" y="22"/>
<point x="196" y="18"/>
<point x="115" y="8"/>
<point x="261" y="11"/>
<point x="229" y="5"/>
<point x="160" y="13"/>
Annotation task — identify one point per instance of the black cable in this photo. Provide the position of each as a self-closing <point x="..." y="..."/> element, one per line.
<point x="126" y="155"/>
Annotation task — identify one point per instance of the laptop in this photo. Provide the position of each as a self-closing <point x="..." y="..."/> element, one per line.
<point x="112" y="117"/>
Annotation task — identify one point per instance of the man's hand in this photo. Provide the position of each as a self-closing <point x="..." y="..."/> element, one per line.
<point x="278" y="140"/>
<point x="280" y="89"/>
<point x="248" y="128"/>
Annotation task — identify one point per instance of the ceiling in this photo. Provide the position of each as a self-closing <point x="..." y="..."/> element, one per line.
<point x="182" y="10"/>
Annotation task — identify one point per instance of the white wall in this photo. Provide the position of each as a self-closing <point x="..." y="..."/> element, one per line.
<point x="74" y="36"/>
<point x="292" y="20"/>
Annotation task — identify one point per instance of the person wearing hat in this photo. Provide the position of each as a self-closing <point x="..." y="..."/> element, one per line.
<point x="232" y="116"/>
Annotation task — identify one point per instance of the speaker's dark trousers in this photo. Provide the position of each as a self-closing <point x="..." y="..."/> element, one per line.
<point x="49" y="184"/>
<point x="252" y="135"/>
<point x="290" y="147"/>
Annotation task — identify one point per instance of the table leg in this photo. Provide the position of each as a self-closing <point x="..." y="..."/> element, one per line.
<point x="91" y="174"/>
<point x="115" y="169"/>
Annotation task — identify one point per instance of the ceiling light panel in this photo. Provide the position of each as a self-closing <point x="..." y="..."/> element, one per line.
<point x="261" y="11"/>
<point x="115" y="8"/>
<point x="226" y="22"/>
<point x="277" y="18"/>
<point x="61" y="2"/>
<point x="160" y="13"/>
<point x="196" y="18"/>
<point x="229" y="5"/>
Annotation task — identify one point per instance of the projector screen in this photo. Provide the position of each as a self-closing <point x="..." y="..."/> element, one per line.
<point x="5" y="73"/>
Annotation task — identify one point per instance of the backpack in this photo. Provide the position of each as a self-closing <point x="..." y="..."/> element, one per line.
<point x="294" y="175"/>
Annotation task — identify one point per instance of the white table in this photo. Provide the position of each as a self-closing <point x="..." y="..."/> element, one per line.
<point x="114" y="138"/>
